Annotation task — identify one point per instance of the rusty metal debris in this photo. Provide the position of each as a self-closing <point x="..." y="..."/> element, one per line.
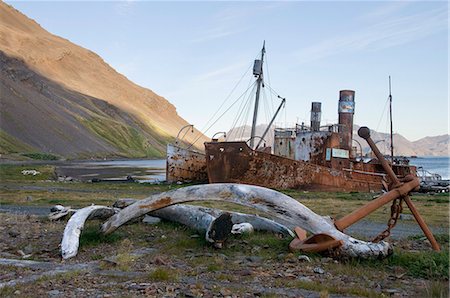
<point x="315" y="243"/>
<point x="184" y="165"/>
<point x="398" y="191"/>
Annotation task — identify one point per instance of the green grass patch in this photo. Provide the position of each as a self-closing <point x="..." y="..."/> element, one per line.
<point x="323" y="288"/>
<point x="163" y="274"/>
<point x="429" y="264"/>
<point x="91" y="236"/>
<point x="424" y="264"/>
<point x="14" y="173"/>
<point x="41" y="156"/>
<point x="10" y="144"/>
<point x="127" y="139"/>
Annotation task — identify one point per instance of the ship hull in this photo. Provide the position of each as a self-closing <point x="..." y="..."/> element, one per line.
<point x="185" y="165"/>
<point x="235" y="162"/>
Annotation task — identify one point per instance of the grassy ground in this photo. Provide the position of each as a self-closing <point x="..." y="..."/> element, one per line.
<point x="45" y="192"/>
<point x="182" y="263"/>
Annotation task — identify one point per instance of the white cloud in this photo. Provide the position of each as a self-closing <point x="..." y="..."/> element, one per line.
<point x="396" y="31"/>
<point x="232" y="69"/>
<point x="232" y="20"/>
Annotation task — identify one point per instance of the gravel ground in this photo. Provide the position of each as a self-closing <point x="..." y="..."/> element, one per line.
<point x="142" y="263"/>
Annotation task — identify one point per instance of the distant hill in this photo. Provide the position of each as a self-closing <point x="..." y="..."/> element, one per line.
<point x="60" y="98"/>
<point x="242" y="133"/>
<point x="428" y="146"/>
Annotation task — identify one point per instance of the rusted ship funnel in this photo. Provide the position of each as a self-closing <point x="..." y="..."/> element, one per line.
<point x="316" y="113"/>
<point x="346" y="110"/>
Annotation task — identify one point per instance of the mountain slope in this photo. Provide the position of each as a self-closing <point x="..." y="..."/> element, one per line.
<point x="428" y="146"/>
<point x="438" y="145"/>
<point x="59" y="97"/>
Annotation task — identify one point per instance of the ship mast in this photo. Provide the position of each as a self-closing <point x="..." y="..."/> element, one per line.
<point x="258" y="72"/>
<point x="390" y="116"/>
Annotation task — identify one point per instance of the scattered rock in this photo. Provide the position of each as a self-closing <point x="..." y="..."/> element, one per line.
<point x="13" y="233"/>
<point x="159" y="261"/>
<point x="290" y="258"/>
<point x="318" y="270"/>
<point x="188" y="294"/>
<point x="391" y="291"/>
<point x="304" y="258"/>
<point x="28" y="249"/>
<point x="17" y="292"/>
<point x="304" y="279"/>
<point x="151" y="220"/>
<point x="245" y="272"/>
<point x="326" y="260"/>
<point x="29" y="199"/>
<point x="53" y="293"/>
<point x="225" y="292"/>
<point x="65" y="179"/>
<point x="253" y="259"/>
<point x="222" y="256"/>
<point x="124" y="202"/>
<point x="290" y="275"/>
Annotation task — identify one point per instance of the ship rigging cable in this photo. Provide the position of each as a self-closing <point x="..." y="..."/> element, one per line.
<point x="244" y="108"/>
<point x="220" y="116"/>
<point x="220" y="107"/>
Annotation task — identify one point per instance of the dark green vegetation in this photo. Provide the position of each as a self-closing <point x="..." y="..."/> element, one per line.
<point x="10" y="144"/>
<point x="41" y="156"/>
<point x="91" y="237"/>
<point x="127" y="139"/>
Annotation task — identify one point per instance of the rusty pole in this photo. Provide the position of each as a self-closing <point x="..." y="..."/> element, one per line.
<point x="364" y="132"/>
<point x="348" y="220"/>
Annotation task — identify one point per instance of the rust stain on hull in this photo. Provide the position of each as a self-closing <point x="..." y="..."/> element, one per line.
<point x="185" y="165"/>
<point x="235" y="162"/>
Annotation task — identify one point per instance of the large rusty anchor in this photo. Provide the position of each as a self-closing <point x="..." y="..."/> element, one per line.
<point x="398" y="192"/>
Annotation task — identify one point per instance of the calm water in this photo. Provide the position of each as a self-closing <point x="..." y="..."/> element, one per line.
<point x="142" y="170"/>
<point x="438" y="165"/>
<point x="155" y="170"/>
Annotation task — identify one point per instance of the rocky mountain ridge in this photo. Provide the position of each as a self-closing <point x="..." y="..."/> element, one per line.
<point x="60" y="98"/>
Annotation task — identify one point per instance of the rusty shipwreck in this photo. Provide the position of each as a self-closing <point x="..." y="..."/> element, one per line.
<point x="308" y="157"/>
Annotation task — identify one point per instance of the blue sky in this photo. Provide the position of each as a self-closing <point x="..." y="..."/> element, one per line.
<point x="194" y="53"/>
